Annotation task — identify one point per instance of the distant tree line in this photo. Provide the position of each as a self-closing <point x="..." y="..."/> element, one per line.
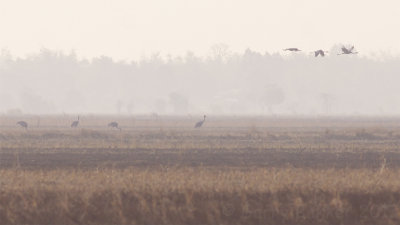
<point x="223" y="82"/>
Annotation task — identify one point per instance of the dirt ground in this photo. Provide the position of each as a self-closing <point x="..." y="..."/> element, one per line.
<point x="246" y="142"/>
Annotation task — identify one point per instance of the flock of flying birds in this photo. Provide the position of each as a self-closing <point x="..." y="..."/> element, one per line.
<point x="320" y="52"/>
<point x="113" y="124"/>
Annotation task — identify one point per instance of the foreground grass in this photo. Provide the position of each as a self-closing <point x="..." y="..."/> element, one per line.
<point x="200" y="196"/>
<point x="231" y="171"/>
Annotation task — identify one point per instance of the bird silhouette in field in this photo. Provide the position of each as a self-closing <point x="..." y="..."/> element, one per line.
<point x="200" y="123"/>
<point x="292" y="49"/>
<point x="319" y="52"/>
<point x="75" y="123"/>
<point x="23" y="124"/>
<point x="347" y="51"/>
<point x="114" y="125"/>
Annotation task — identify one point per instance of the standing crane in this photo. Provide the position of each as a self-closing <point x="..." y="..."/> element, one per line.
<point x="114" y="125"/>
<point x="347" y="51"/>
<point x="75" y="123"/>
<point x="200" y="123"/>
<point x="23" y="124"/>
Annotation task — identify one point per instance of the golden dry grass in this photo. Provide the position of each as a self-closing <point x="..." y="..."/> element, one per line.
<point x="162" y="171"/>
<point x="200" y="196"/>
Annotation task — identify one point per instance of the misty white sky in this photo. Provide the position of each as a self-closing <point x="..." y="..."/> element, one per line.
<point x="130" y="29"/>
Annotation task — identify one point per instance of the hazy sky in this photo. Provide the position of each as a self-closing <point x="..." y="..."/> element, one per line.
<point x="129" y="29"/>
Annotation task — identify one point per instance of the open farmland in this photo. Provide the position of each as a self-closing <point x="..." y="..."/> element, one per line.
<point x="233" y="170"/>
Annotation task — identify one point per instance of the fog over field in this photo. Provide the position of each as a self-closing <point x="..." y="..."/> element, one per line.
<point x="208" y="57"/>
<point x="224" y="82"/>
<point x="103" y="108"/>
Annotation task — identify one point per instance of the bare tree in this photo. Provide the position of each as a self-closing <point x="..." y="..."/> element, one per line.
<point x="273" y="95"/>
<point x="220" y="51"/>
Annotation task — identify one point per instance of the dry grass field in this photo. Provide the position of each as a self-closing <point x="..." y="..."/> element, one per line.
<point x="233" y="170"/>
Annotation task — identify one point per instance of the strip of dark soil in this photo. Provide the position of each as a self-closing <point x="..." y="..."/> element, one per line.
<point x="124" y="158"/>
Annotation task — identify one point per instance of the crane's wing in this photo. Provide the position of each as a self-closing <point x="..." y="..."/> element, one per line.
<point x="351" y="49"/>
<point x="345" y="50"/>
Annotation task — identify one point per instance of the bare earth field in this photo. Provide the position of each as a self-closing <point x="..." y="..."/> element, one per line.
<point x="233" y="170"/>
